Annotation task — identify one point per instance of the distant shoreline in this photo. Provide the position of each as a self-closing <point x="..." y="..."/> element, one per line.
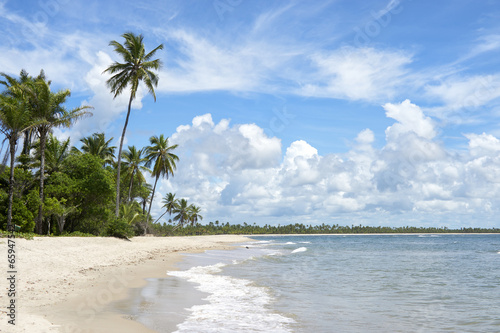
<point x="382" y="234"/>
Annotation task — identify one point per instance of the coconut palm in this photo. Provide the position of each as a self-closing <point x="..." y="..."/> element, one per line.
<point x="145" y="195"/>
<point x="130" y="212"/>
<point x="137" y="66"/>
<point x="194" y="214"/>
<point x="182" y="212"/>
<point x="97" y="145"/>
<point x="133" y="164"/>
<point x="48" y="112"/>
<point x="15" y="118"/>
<point x="55" y="153"/>
<point x="160" y="155"/>
<point x="169" y="203"/>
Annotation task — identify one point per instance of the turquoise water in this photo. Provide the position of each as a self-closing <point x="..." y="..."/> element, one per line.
<point x="361" y="283"/>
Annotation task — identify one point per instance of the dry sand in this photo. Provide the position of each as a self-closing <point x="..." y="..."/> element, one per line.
<point x="66" y="284"/>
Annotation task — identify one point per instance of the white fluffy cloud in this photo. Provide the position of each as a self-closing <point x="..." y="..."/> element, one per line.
<point x="409" y="118"/>
<point x="237" y="173"/>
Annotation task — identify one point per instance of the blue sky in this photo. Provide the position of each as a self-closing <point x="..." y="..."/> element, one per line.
<point x="380" y="112"/>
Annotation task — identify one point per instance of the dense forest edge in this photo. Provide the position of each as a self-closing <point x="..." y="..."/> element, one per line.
<point x="217" y="228"/>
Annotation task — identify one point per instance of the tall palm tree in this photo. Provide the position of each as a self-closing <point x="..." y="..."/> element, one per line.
<point x="160" y="155"/>
<point x="97" y="145"/>
<point x="133" y="164"/>
<point x="194" y="214"/>
<point x="48" y="111"/>
<point x="137" y="66"/>
<point x="15" y="118"/>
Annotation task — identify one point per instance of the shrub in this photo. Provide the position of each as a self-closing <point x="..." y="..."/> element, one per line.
<point x="118" y="227"/>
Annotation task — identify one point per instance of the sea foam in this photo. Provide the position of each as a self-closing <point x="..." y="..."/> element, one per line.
<point x="300" y="249"/>
<point x="235" y="305"/>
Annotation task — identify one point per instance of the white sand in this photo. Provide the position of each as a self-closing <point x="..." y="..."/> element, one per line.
<point x="63" y="284"/>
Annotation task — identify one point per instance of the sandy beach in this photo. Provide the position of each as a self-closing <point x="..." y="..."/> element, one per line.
<point x="66" y="284"/>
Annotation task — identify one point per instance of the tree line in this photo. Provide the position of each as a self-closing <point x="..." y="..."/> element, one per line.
<point x="53" y="188"/>
<point x="218" y="228"/>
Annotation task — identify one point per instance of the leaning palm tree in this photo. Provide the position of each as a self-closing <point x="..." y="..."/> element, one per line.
<point x="48" y="112"/>
<point x="15" y="118"/>
<point x="97" y="145"/>
<point x="160" y="155"/>
<point x="137" y="66"/>
<point x="169" y="203"/>
<point x="133" y="164"/>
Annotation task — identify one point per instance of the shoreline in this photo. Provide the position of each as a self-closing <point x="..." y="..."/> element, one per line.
<point x="377" y="234"/>
<point x="66" y="284"/>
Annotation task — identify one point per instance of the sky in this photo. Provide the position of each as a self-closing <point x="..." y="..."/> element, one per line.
<point x="382" y="112"/>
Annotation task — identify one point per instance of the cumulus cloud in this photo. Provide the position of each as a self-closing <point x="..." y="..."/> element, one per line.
<point x="236" y="172"/>
<point x="410" y="118"/>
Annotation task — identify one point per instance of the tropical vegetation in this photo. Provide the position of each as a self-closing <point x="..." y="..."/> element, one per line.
<point x="55" y="188"/>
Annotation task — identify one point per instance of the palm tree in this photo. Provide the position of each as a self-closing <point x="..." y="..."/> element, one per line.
<point x="182" y="211"/>
<point x="137" y="66"/>
<point x="55" y="153"/>
<point x="160" y="154"/>
<point x="129" y="212"/>
<point x="15" y="118"/>
<point x="169" y="202"/>
<point x="133" y="165"/>
<point x="194" y="214"/>
<point x="97" y="145"/>
<point x="30" y="132"/>
<point x="48" y="112"/>
<point x="145" y="195"/>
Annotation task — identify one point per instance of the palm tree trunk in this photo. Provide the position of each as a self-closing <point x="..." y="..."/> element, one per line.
<point x="130" y="187"/>
<point x="39" y="220"/>
<point x="160" y="217"/>
<point x="151" y="204"/>
<point x="12" y="144"/>
<point x="117" y="210"/>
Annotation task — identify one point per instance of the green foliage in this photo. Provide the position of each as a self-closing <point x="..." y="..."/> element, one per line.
<point x="218" y="228"/>
<point x="25" y="235"/>
<point x="22" y="211"/>
<point x="76" y="234"/>
<point x="21" y="216"/>
<point x="97" y="145"/>
<point x="92" y="191"/>
<point x="24" y="181"/>
<point x="119" y="227"/>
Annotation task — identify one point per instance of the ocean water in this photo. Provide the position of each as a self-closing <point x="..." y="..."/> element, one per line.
<point x="351" y="283"/>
